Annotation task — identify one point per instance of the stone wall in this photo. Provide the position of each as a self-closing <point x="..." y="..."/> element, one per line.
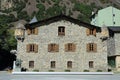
<point x="118" y="63"/>
<point x="74" y="33"/>
<point x="111" y="46"/>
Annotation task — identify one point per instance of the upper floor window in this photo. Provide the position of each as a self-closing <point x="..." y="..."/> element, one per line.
<point x="52" y="64"/>
<point x="31" y="64"/>
<point x="113" y="14"/>
<point x="91" y="64"/>
<point x="32" y="31"/>
<point x="91" y="47"/>
<point x="32" y="48"/>
<point x="70" y="47"/>
<point x="91" y="32"/>
<point x="53" y="47"/>
<point x="61" y="30"/>
<point x="69" y="64"/>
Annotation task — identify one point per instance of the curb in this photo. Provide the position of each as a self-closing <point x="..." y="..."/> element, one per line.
<point x="62" y="73"/>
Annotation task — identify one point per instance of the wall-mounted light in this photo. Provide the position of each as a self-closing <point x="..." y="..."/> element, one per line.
<point x="20" y="32"/>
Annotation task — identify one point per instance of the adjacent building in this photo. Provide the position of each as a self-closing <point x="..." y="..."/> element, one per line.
<point x="114" y="47"/>
<point x="109" y="16"/>
<point x="61" y="44"/>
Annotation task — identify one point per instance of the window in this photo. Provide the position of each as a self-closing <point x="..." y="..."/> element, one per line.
<point x="61" y="31"/>
<point x="91" y="32"/>
<point x="31" y="64"/>
<point x="52" y="64"/>
<point x="32" y="48"/>
<point x="113" y="15"/>
<point x="53" y="47"/>
<point x="69" y="64"/>
<point x="113" y="22"/>
<point x="91" y="64"/>
<point x="32" y="31"/>
<point x="91" y="47"/>
<point x="70" y="47"/>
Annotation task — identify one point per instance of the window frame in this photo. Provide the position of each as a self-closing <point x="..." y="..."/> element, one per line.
<point x="91" y="64"/>
<point x="53" y="47"/>
<point x="91" y="47"/>
<point x="69" y="64"/>
<point x="32" y="48"/>
<point x="91" y="31"/>
<point x="70" y="47"/>
<point x="61" y="31"/>
<point x="32" y="31"/>
<point x="53" y="64"/>
<point x="31" y="64"/>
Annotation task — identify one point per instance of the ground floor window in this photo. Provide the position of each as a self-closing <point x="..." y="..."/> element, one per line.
<point x="69" y="64"/>
<point x="31" y="64"/>
<point x="91" y="64"/>
<point x="53" y="64"/>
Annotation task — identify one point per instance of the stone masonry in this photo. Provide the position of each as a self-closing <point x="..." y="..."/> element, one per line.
<point x="74" y="33"/>
<point x="113" y="48"/>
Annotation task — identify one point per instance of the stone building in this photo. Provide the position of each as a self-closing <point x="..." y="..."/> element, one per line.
<point x="114" y="48"/>
<point x="110" y="21"/>
<point x="61" y="44"/>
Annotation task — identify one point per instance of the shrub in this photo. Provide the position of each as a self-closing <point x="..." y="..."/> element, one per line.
<point x="35" y="70"/>
<point x="23" y="15"/>
<point x="86" y="70"/>
<point x="99" y="70"/>
<point x="67" y="70"/>
<point x="51" y="70"/>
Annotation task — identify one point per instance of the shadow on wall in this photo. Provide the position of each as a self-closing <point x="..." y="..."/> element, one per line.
<point x="6" y="60"/>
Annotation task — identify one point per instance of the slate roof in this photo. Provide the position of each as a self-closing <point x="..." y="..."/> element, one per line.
<point x="58" y="18"/>
<point x="114" y="29"/>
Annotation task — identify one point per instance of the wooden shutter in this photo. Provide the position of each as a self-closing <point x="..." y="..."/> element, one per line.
<point x="73" y="47"/>
<point x="56" y="47"/>
<point x="66" y="47"/>
<point x="94" y="32"/>
<point x="88" y="32"/>
<point x="28" y="31"/>
<point x="95" y="47"/>
<point x="28" y="48"/>
<point x="36" y="31"/>
<point x="36" y="48"/>
<point x="88" y="47"/>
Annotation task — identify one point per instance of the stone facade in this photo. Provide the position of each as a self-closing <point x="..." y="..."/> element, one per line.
<point x="114" y="45"/>
<point x="74" y="33"/>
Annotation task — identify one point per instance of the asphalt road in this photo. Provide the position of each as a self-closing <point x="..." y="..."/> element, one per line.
<point x="9" y="76"/>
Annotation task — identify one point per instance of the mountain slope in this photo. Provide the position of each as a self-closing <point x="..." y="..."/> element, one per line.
<point x="80" y="9"/>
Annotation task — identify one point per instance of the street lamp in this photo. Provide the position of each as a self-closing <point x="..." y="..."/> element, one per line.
<point x="20" y="32"/>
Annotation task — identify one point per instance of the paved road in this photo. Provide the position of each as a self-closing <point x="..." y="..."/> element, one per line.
<point x="8" y="76"/>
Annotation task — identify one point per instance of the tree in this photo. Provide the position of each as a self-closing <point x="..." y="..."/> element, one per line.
<point x="23" y="15"/>
<point x="7" y="41"/>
